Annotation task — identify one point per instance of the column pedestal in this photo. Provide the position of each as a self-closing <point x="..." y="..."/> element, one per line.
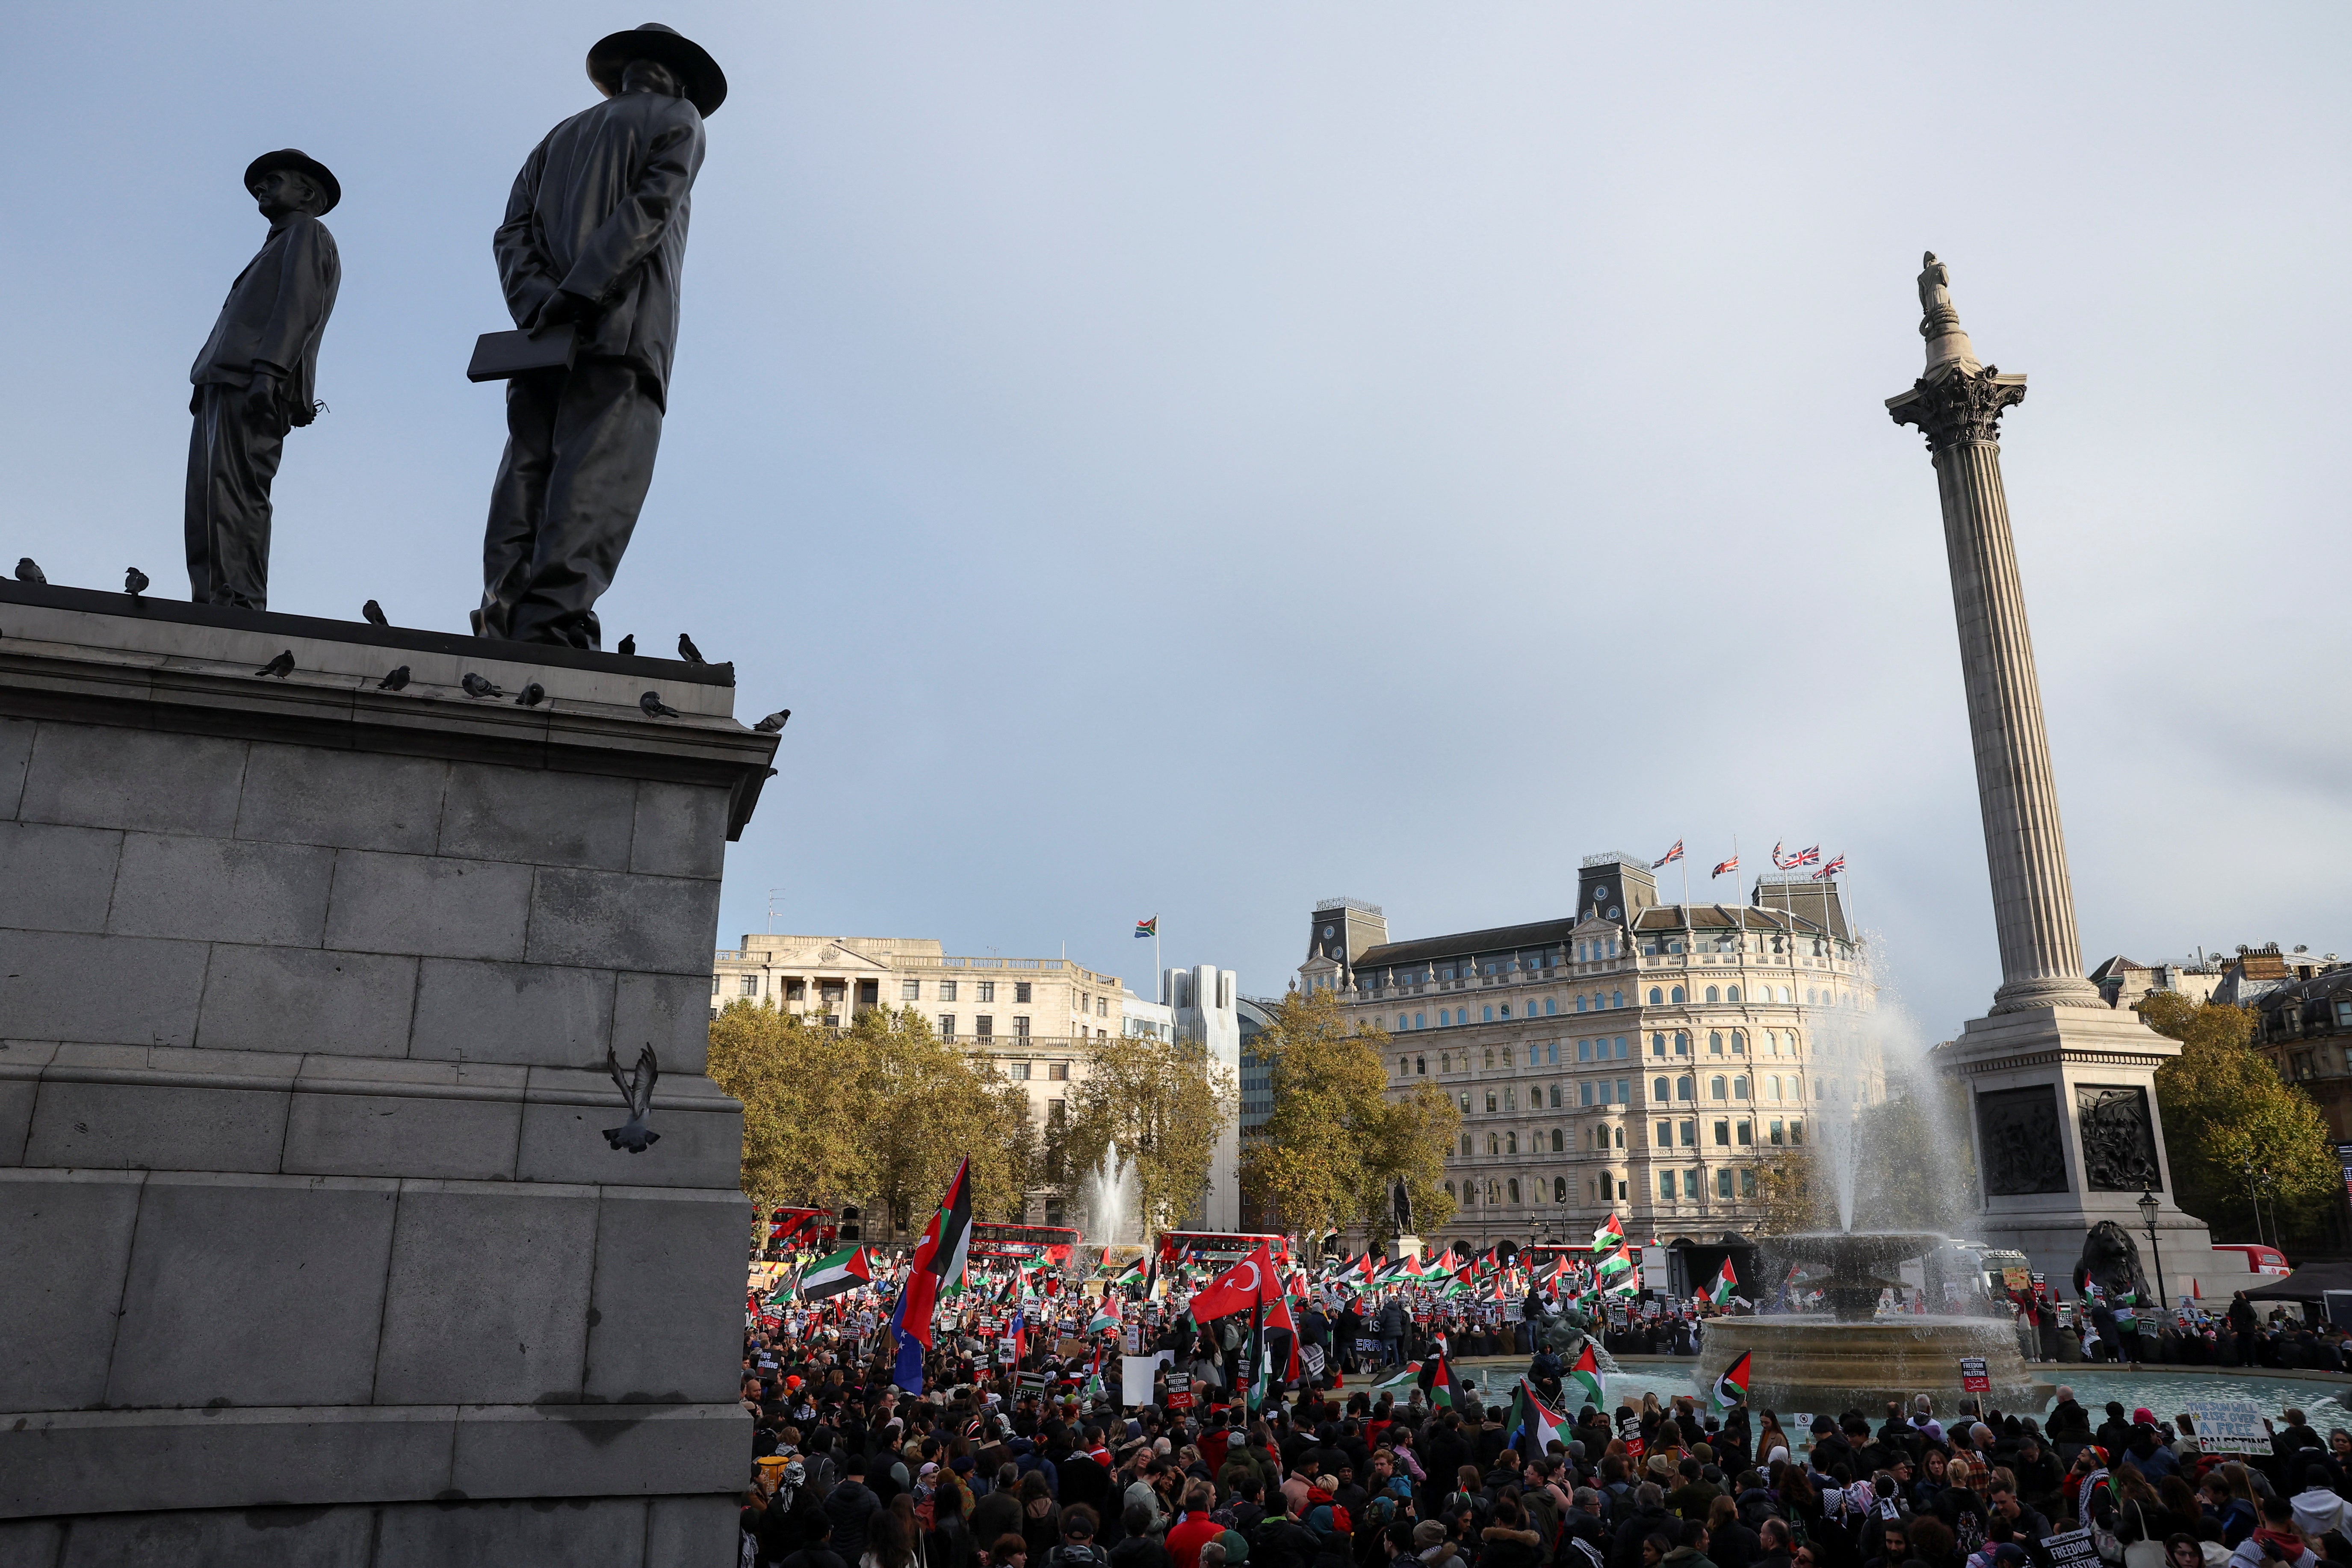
<point x="311" y="1246"/>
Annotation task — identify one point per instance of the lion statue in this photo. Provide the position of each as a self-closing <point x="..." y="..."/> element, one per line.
<point x="2110" y="1261"/>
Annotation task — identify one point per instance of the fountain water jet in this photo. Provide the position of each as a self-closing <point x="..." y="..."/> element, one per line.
<point x="1110" y="1220"/>
<point x="1889" y="1153"/>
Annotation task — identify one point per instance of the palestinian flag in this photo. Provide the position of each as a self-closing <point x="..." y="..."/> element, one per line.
<point x="1724" y="1284"/>
<point x="1587" y="1373"/>
<point x="843" y="1270"/>
<point x="1132" y="1274"/>
<point x="1437" y="1377"/>
<point x="1610" y="1234"/>
<point x="1533" y="1426"/>
<point x="1626" y="1284"/>
<point x="1279" y="1316"/>
<point x="1107" y="1320"/>
<point x="1618" y="1262"/>
<point x="937" y="1262"/>
<point x="1731" y="1388"/>
<point x="1409" y="1377"/>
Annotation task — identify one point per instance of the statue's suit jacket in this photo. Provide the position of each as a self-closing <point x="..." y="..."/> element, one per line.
<point x="600" y="210"/>
<point x="276" y="312"/>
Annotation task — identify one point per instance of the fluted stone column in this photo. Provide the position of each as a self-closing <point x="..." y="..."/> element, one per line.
<point x="1958" y="405"/>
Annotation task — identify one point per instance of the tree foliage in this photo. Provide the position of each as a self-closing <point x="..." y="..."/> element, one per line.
<point x="1165" y="1104"/>
<point x="2236" y="1133"/>
<point x="876" y="1111"/>
<point x="1335" y="1142"/>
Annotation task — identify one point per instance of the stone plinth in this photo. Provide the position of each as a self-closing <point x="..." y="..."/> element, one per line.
<point x="310" y="1247"/>
<point x="1808" y="1362"/>
<point x="2061" y="1109"/>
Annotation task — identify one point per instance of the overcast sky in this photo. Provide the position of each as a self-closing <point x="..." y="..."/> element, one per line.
<point x="1194" y="461"/>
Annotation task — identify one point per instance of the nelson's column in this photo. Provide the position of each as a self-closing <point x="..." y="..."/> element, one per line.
<point x="2062" y="1088"/>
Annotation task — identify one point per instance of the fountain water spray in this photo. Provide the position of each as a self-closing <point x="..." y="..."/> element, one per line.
<point x="1109" y="1208"/>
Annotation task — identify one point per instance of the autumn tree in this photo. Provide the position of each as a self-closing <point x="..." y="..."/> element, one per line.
<point x="1334" y="1143"/>
<point x="877" y="1110"/>
<point x="2235" y="1133"/>
<point x="1165" y="1104"/>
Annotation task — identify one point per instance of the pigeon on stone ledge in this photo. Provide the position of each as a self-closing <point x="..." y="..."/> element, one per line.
<point x="653" y="707"/>
<point x="394" y="682"/>
<point x="628" y="648"/>
<point x="27" y="572"/>
<point x="531" y="696"/>
<point x="134" y="581"/>
<point x="774" y="722"/>
<point x="282" y="667"/>
<point x="477" y="687"/>
<point x="372" y="613"/>
<point x="688" y="651"/>
<point x="637" y="1094"/>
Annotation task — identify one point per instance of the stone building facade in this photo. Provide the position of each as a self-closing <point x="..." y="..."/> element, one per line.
<point x="1637" y="1058"/>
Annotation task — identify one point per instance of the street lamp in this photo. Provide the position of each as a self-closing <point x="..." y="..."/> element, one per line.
<point x="2147" y="1207"/>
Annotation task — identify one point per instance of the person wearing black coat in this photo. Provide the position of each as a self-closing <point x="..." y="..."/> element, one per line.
<point x="1648" y="1517"/>
<point x="817" y="1554"/>
<point x="850" y="1507"/>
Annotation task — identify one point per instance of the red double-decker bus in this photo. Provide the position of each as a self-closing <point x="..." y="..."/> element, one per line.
<point x="1027" y="1245"/>
<point x="1219" y="1247"/>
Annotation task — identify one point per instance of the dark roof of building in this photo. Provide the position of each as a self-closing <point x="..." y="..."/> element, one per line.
<point x="1498" y="939"/>
<point x="1720" y="917"/>
<point x="2311" y="990"/>
<point x="2117" y="965"/>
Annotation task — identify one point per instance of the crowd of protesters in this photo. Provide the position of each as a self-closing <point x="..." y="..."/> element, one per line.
<point x="987" y="1470"/>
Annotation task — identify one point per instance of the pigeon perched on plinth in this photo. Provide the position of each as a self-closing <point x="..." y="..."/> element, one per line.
<point x="637" y="1094"/>
<point x="477" y="687"/>
<point x="394" y="682"/>
<point x="282" y="667"/>
<point x="688" y="651"/>
<point x="653" y="707"/>
<point x="531" y="696"/>
<point x="774" y="722"/>
<point x="628" y="646"/>
<point x="134" y="581"/>
<point x="372" y="613"/>
<point x="27" y="572"/>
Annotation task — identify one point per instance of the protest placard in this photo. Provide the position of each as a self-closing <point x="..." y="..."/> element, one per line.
<point x="2070" y="1549"/>
<point x="1973" y="1377"/>
<point x="2227" y="1426"/>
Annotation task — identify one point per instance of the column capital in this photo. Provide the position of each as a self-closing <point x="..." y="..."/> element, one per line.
<point x="1957" y="406"/>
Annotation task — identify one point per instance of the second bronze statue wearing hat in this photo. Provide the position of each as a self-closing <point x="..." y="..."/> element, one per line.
<point x="255" y="379"/>
<point x="595" y="236"/>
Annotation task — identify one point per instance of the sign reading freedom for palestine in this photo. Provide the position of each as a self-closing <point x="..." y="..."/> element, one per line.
<point x="2069" y="1549"/>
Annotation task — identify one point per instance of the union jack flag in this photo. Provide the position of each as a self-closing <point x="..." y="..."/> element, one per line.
<point x="1731" y="865"/>
<point x="1806" y="856"/>
<point x="1831" y="870"/>
<point x="1670" y="857"/>
<point x="1778" y="863"/>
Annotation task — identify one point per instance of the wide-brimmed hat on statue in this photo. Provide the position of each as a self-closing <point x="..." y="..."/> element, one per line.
<point x="699" y="76"/>
<point x="330" y="190"/>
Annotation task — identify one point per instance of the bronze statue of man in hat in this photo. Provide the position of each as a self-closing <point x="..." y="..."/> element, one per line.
<point x="595" y="237"/>
<point x="256" y="379"/>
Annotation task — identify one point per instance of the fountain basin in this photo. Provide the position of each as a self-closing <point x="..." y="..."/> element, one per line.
<point x="1822" y="1366"/>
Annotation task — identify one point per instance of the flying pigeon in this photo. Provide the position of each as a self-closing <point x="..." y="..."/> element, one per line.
<point x="394" y="682"/>
<point x="773" y="721"/>
<point x="282" y="667"/>
<point x="27" y="572"/>
<point x="653" y="707"/>
<point x="628" y="648"/>
<point x="372" y="613"/>
<point x="134" y="581"/>
<point x="688" y="651"/>
<point x="637" y="1094"/>
<point x="531" y="696"/>
<point x="477" y="687"/>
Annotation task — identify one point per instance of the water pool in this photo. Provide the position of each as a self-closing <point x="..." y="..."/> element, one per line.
<point x="2162" y="1389"/>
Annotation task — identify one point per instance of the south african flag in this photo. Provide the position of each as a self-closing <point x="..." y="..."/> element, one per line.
<point x="1148" y="928"/>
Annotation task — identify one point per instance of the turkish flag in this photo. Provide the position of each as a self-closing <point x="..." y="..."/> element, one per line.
<point x="1238" y="1289"/>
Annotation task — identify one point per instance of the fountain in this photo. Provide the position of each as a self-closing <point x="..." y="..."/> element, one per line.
<point x="1108" y="1220"/>
<point x="1888" y="1147"/>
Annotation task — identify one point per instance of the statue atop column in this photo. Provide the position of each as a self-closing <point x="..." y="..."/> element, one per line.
<point x="594" y="240"/>
<point x="1936" y="316"/>
<point x="256" y="379"/>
